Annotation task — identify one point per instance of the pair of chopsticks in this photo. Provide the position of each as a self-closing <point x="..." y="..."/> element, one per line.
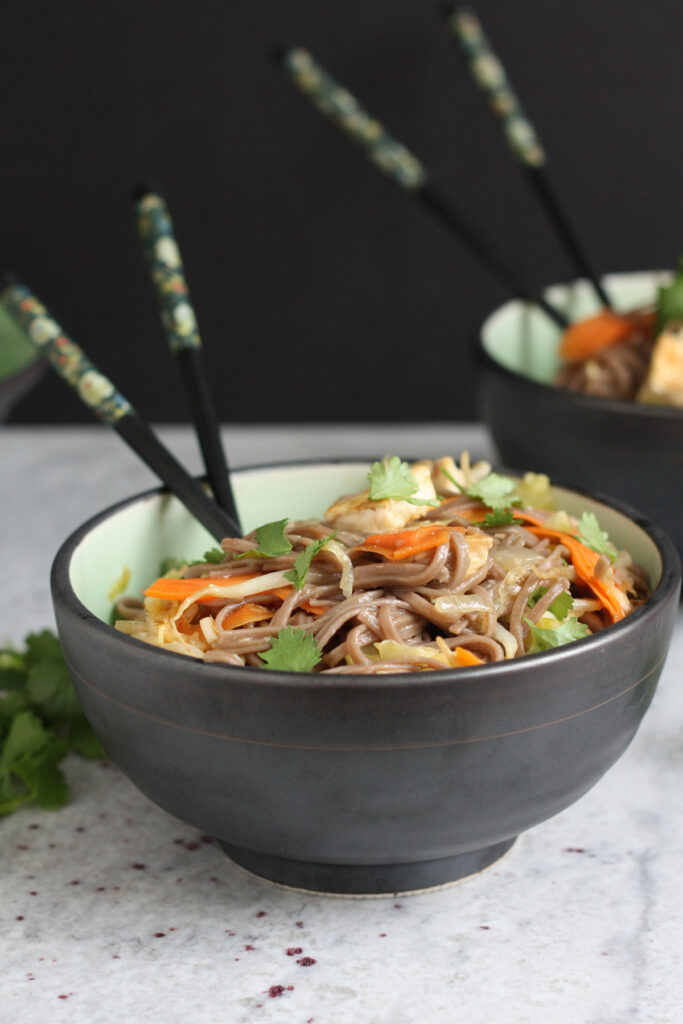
<point x="100" y="395"/>
<point x="336" y="103"/>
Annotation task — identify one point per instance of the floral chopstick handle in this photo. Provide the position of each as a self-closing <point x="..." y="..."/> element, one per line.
<point x="67" y="359"/>
<point x="336" y="103"/>
<point x="490" y="76"/>
<point x="155" y="229"/>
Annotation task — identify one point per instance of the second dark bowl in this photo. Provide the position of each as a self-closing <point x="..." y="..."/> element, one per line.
<point x="632" y="451"/>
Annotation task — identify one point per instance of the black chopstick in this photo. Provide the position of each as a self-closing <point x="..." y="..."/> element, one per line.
<point x="109" y="405"/>
<point x="394" y="160"/>
<point x="157" y="236"/>
<point x="522" y="138"/>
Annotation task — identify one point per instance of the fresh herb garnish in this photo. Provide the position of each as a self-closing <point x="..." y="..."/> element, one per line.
<point x="214" y="555"/>
<point x="560" y="607"/>
<point x="501" y="517"/>
<point x="495" y="491"/>
<point x="297" y="574"/>
<point x="556" y="636"/>
<point x="270" y="541"/>
<point x="169" y="564"/>
<point x="670" y="299"/>
<point x="292" y="650"/>
<point x="395" y="479"/>
<point x="40" y="722"/>
<point x="591" y="534"/>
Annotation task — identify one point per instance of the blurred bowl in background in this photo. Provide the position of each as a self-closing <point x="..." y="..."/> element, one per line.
<point x="20" y="365"/>
<point x="632" y="451"/>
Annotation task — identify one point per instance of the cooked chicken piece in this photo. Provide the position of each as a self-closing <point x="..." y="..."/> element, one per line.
<point x="464" y="474"/>
<point x="358" y="512"/>
<point x="479" y="544"/>
<point x="664" y="382"/>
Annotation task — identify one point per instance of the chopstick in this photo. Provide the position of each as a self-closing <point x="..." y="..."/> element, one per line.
<point x="155" y="229"/>
<point x="99" y="394"/>
<point x="394" y="160"/>
<point x="521" y="137"/>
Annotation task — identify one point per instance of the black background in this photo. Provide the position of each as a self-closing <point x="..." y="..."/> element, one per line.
<point x="322" y="291"/>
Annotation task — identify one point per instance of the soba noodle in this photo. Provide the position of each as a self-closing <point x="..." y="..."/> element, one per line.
<point x="467" y="591"/>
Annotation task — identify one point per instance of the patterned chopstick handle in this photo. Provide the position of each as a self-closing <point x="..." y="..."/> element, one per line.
<point x="67" y="359"/>
<point x="155" y="229"/>
<point x="490" y="76"/>
<point x="336" y="103"/>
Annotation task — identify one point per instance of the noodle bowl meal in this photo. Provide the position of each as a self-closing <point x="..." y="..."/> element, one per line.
<point x="435" y="565"/>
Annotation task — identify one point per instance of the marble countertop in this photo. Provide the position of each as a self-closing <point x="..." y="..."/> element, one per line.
<point x="110" y="909"/>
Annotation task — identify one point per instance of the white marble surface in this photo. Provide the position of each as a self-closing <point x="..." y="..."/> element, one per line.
<point x="112" y="910"/>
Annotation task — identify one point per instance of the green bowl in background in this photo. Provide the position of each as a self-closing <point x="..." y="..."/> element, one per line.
<point x="20" y="365"/>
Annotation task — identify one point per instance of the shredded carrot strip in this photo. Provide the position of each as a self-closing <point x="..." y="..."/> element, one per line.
<point x="586" y="337"/>
<point x="465" y="657"/>
<point x="584" y="560"/>
<point x="405" y="543"/>
<point x="178" y="589"/>
<point x="247" y="613"/>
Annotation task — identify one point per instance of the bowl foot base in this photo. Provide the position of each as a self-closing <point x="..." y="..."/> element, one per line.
<point x="366" y="879"/>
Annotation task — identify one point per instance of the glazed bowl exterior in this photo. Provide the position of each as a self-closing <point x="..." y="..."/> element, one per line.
<point x="350" y="784"/>
<point x="623" y="448"/>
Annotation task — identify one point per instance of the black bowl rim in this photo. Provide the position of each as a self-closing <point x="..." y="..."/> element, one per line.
<point x="62" y="592"/>
<point x="591" y="403"/>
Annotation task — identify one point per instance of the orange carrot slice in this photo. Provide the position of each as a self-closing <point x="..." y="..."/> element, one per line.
<point x="247" y="613"/>
<point x="584" y="560"/>
<point x="405" y="543"/>
<point x="586" y="337"/>
<point x="178" y="589"/>
<point x="465" y="657"/>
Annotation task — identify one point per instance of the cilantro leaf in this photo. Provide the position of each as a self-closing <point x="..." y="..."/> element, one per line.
<point x="495" y="491"/>
<point x="391" y="479"/>
<point x="292" y="650"/>
<point x="557" y="636"/>
<point x="40" y="721"/>
<point x="670" y="299"/>
<point x="214" y="555"/>
<point x="591" y="534"/>
<point x="297" y="574"/>
<point x="172" y="563"/>
<point x="394" y="479"/>
<point x="270" y="541"/>
<point x="501" y="517"/>
<point x="560" y="607"/>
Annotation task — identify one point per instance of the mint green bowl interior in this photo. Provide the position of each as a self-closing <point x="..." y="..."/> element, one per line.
<point x="521" y="337"/>
<point x="139" y="536"/>
<point x="16" y="352"/>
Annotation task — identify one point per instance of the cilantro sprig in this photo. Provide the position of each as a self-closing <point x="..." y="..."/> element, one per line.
<point x="292" y="650"/>
<point x="395" y="479"/>
<point x="496" y="492"/>
<point x="41" y="721"/>
<point x="302" y="562"/>
<point x="501" y="517"/>
<point x="555" y="636"/>
<point x="560" y="607"/>
<point x="593" y="536"/>
<point x="670" y="299"/>
<point x="270" y="541"/>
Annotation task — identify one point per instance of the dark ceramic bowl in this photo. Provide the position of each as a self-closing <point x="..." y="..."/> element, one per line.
<point x="20" y="366"/>
<point x="632" y="451"/>
<point x="351" y="785"/>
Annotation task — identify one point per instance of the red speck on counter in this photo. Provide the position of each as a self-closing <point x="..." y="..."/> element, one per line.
<point x="299" y="924"/>
<point x="192" y="846"/>
<point x="276" y="990"/>
<point x="250" y="947"/>
<point x="139" y="867"/>
<point x="160" y="935"/>
<point x="306" y="961"/>
<point x="261" y="913"/>
<point x="20" y="917"/>
<point x="294" y="950"/>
